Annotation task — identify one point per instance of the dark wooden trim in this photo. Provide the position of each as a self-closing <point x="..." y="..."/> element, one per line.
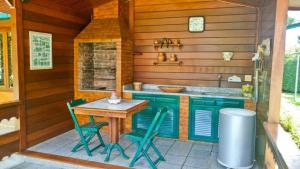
<point x="9" y="104"/>
<point x="9" y="137"/>
<point x="69" y="160"/>
<point x="294" y="8"/>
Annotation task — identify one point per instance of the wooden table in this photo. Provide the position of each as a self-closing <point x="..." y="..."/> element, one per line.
<point x="114" y="112"/>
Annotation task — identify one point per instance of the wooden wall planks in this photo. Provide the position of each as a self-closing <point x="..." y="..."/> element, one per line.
<point x="9" y="143"/>
<point x="229" y="27"/>
<point x="47" y="91"/>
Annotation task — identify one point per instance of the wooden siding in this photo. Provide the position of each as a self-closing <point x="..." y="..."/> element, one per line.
<point x="47" y="91"/>
<point x="9" y="143"/>
<point x="229" y="27"/>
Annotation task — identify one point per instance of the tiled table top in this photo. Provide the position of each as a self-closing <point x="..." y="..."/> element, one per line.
<point x="103" y="104"/>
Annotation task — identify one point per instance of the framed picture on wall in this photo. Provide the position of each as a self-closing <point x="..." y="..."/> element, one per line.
<point x="40" y="45"/>
<point x="196" y="24"/>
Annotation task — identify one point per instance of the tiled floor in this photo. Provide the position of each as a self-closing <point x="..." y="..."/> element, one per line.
<point x="179" y="155"/>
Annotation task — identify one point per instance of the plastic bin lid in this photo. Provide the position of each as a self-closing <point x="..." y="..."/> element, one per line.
<point x="237" y="112"/>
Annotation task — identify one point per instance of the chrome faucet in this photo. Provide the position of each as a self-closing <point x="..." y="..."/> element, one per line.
<point x="220" y="80"/>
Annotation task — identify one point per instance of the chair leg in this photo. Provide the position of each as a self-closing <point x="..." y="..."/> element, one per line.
<point x="77" y="146"/>
<point x="160" y="156"/>
<point x="100" y="139"/>
<point x="80" y="143"/>
<point x="136" y="156"/>
<point x="152" y="164"/>
<point x="85" y="143"/>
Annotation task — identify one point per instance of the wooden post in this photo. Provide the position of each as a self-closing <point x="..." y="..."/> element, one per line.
<point x="278" y="61"/>
<point x="5" y="59"/>
<point x="114" y="131"/>
<point x="18" y="67"/>
<point x="131" y="16"/>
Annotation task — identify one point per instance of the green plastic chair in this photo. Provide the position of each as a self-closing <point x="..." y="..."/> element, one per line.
<point x="144" y="139"/>
<point x="86" y="131"/>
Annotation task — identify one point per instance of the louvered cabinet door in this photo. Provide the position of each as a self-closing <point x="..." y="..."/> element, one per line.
<point x="143" y="119"/>
<point x="170" y="126"/>
<point x="225" y="103"/>
<point x="201" y="124"/>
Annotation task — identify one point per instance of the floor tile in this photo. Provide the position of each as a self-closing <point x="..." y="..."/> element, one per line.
<point x="164" y="165"/>
<point x="201" y="163"/>
<point x="199" y="153"/>
<point x="180" y="148"/>
<point x="164" y="141"/>
<point x="142" y="163"/>
<point x="215" y="148"/>
<point x="203" y="146"/>
<point x="188" y="167"/>
<point x="175" y="160"/>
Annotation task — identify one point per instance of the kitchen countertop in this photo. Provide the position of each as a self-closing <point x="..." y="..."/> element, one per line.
<point x="233" y="93"/>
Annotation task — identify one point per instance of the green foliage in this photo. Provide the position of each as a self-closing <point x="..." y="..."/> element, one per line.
<point x="288" y="125"/>
<point x="290" y="20"/>
<point x="290" y="64"/>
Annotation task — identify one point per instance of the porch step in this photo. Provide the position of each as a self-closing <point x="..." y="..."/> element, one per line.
<point x="19" y="161"/>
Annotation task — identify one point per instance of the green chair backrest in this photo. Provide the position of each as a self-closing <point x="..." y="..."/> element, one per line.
<point x="163" y="115"/>
<point x="74" y="103"/>
<point x="155" y="124"/>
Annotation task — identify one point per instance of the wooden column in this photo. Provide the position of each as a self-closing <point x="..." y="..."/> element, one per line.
<point x="5" y="59"/>
<point x="131" y="16"/>
<point x="18" y="66"/>
<point x="278" y="61"/>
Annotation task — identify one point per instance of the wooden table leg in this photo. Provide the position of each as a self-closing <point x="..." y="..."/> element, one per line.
<point x="114" y="135"/>
<point x="114" y="132"/>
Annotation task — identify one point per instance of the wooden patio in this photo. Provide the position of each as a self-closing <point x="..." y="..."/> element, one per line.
<point x="55" y="51"/>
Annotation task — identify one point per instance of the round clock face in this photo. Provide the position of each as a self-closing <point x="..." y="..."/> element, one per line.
<point x="196" y="24"/>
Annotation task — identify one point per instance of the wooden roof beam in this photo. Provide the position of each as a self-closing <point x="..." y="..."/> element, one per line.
<point x="5" y="6"/>
<point x="90" y="4"/>
<point x="246" y="3"/>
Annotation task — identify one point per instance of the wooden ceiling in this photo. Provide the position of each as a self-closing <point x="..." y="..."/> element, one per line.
<point x="5" y="6"/>
<point x="81" y="5"/>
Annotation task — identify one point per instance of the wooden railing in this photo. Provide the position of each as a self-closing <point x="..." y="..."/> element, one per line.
<point x="273" y="157"/>
<point x="9" y="128"/>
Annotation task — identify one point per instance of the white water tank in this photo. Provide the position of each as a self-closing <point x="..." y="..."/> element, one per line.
<point x="237" y="131"/>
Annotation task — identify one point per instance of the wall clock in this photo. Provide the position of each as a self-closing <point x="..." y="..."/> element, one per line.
<point x="196" y="24"/>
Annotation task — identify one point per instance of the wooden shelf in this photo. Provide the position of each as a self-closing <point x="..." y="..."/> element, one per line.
<point x="137" y="53"/>
<point x="164" y="46"/>
<point x="168" y="63"/>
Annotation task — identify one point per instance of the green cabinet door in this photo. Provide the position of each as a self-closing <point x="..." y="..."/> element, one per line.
<point x="226" y="103"/>
<point x="204" y="116"/>
<point x="202" y="121"/>
<point x="142" y="119"/>
<point x="170" y="127"/>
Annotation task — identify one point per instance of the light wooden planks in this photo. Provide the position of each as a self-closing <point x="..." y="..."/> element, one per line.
<point x="229" y="27"/>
